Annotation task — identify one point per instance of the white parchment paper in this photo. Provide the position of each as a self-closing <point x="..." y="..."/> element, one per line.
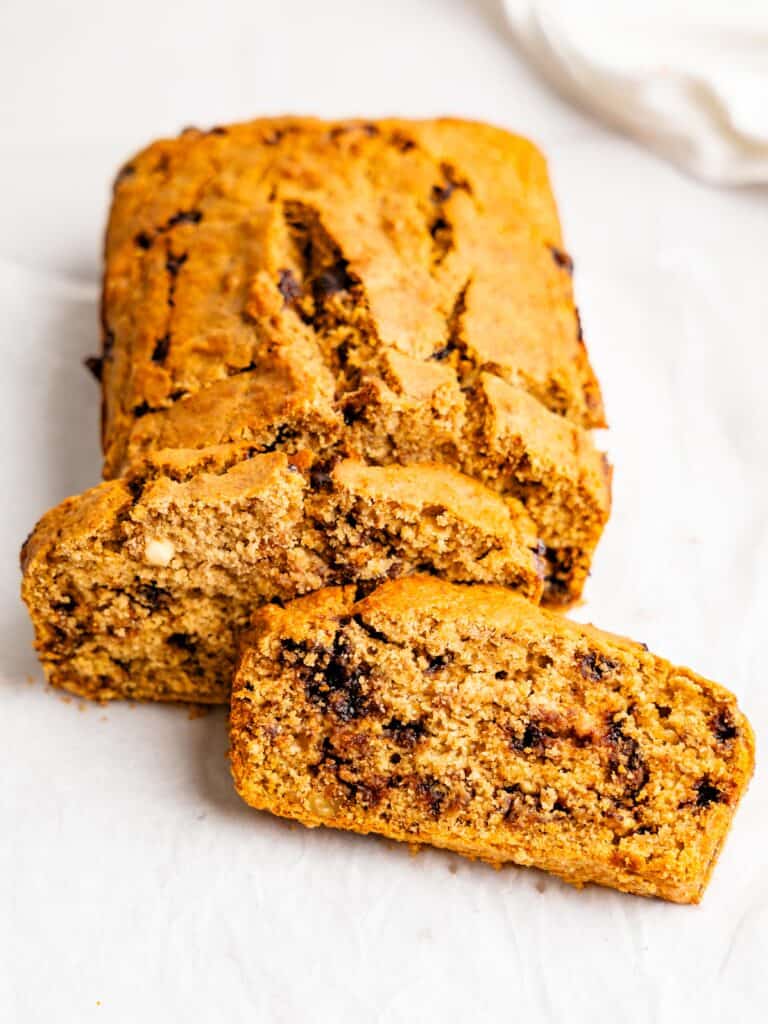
<point x="134" y="886"/>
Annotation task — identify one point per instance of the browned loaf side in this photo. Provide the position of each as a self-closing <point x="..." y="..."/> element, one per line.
<point x="140" y="587"/>
<point x="467" y="718"/>
<point x="393" y="291"/>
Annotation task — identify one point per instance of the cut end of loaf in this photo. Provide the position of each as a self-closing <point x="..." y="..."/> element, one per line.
<point x="140" y="588"/>
<point x="467" y="718"/>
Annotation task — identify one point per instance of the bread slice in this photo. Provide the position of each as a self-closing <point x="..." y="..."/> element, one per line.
<point x="140" y="587"/>
<point x="467" y="718"/>
<point x="371" y="287"/>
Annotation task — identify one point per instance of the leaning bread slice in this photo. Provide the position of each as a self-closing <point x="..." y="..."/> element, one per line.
<point x="468" y="718"/>
<point x="140" y="587"/>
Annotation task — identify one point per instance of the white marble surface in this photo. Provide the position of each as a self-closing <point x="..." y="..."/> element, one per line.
<point x="133" y="884"/>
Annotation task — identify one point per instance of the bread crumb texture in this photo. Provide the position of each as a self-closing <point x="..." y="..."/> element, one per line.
<point x="467" y="718"/>
<point x="141" y="587"/>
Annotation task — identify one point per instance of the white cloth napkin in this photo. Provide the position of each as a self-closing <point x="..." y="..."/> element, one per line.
<point x="688" y="79"/>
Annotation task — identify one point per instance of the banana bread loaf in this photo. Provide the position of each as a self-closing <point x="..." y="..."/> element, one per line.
<point x="139" y="587"/>
<point x="465" y="717"/>
<point x="392" y="291"/>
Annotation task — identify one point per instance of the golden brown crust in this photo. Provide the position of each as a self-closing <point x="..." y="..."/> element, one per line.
<point x="297" y="283"/>
<point x="141" y="586"/>
<point x="467" y="718"/>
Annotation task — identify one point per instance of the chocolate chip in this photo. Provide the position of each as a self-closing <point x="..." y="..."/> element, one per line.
<point x="560" y="568"/>
<point x="160" y="350"/>
<point x="368" y="793"/>
<point x="294" y="646"/>
<point x="336" y="683"/>
<point x="185" y="217"/>
<point x="595" y="666"/>
<point x="664" y="710"/>
<point x="405" y="734"/>
<point x="108" y="344"/>
<point x="532" y="738"/>
<point x="625" y="759"/>
<point x="437" y="662"/>
<point x="60" y="635"/>
<point x="150" y="595"/>
<point x="217" y="130"/>
<point x="502" y="674"/>
<point x="142" y="409"/>
<point x="135" y="485"/>
<point x="66" y="604"/>
<point x="283" y="434"/>
<point x="95" y="364"/>
<point x="352" y="412"/>
<point x="328" y="755"/>
<point x="289" y="287"/>
<point x="402" y="142"/>
<point x="707" y="794"/>
<point x="320" y="478"/>
<point x="723" y="726"/>
<point x="561" y="258"/>
<point x="177" y="394"/>
<point x="433" y="792"/>
<point x="342" y="353"/>
<point x="182" y="641"/>
<point x="143" y="240"/>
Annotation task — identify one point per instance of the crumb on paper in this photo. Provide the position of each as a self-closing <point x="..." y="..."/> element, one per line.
<point x="453" y="868"/>
<point x="103" y="718"/>
<point x="541" y="885"/>
<point x="30" y="680"/>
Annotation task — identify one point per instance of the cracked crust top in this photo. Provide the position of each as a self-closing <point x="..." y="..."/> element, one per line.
<point x="329" y="245"/>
